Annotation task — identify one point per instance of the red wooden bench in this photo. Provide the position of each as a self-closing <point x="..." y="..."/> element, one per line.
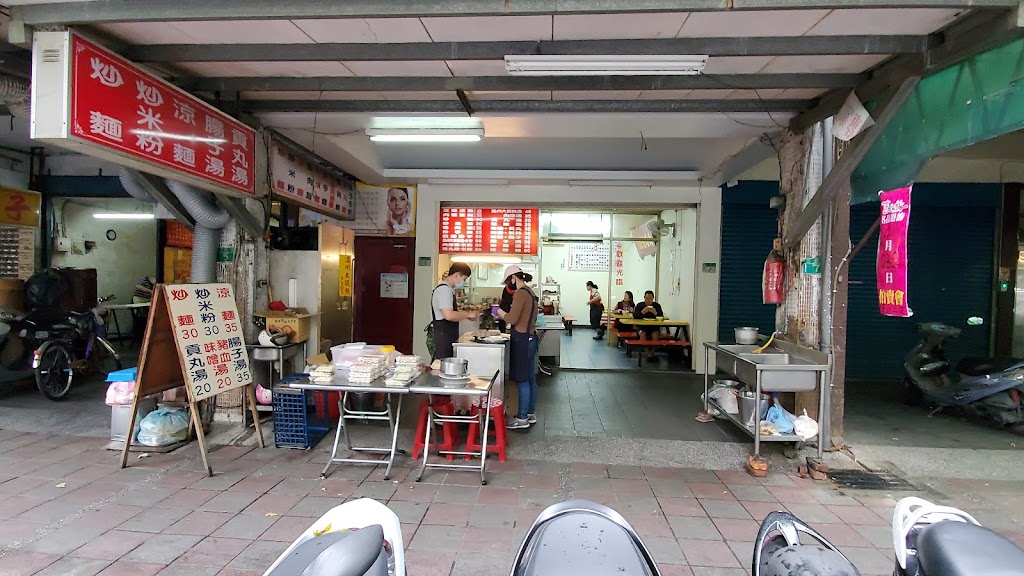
<point x="568" y="320"/>
<point x="666" y="344"/>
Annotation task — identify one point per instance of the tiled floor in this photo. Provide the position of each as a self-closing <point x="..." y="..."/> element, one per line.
<point x="581" y="352"/>
<point x="628" y="405"/>
<point x="161" y="516"/>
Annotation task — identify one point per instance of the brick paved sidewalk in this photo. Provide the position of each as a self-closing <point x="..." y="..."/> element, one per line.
<point x="67" y="510"/>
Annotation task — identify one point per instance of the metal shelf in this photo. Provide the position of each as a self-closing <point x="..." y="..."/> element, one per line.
<point x="750" y="429"/>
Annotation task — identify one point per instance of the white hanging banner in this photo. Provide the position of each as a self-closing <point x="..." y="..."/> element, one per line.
<point x="852" y="119"/>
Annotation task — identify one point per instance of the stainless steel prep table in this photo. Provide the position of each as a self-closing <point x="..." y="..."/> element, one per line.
<point x="432" y="385"/>
<point x="391" y="414"/>
<point x="790" y="374"/>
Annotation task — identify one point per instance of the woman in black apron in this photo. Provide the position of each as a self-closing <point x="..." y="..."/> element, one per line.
<point x="444" y="310"/>
<point x="522" y="321"/>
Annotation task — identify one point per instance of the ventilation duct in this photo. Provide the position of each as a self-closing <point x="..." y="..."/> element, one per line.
<point x="201" y="206"/>
<point x="15" y="93"/>
<point x="210" y="219"/>
<point x="131" y="182"/>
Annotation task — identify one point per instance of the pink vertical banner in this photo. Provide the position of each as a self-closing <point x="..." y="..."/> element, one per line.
<point x="892" y="266"/>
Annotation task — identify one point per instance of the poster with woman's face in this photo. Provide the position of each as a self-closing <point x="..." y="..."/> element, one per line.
<point x="385" y="210"/>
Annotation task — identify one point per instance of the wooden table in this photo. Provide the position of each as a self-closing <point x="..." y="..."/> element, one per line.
<point x="682" y="333"/>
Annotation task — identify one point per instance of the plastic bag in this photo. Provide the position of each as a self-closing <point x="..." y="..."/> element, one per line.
<point x="163" y="427"/>
<point x="120" y="393"/>
<point x="805" y="427"/>
<point x="780" y="418"/>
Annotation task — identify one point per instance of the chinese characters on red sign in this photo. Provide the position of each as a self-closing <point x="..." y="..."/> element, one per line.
<point x="118" y="106"/>
<point x="209" y="338"/>
<point x="489" y="230"/>
<point x="892" y="265"/>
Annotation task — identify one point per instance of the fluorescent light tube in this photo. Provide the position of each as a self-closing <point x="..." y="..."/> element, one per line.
<point x="488" y="259"/>
<point x="631" y="65"/>
<point x="425" y="134"/>
<point x="123" y="216"/>
<point x="617" y="183"/>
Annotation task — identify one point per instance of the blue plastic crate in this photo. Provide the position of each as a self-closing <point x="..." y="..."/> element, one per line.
<point x="295" y="422"/>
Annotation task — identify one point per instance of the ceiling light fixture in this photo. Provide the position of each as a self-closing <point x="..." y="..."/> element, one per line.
<point x="578" y="65"/>
<point x="425" y="134"/>
<point x="123" y="216"/>
<point x="616" y="183"/>
<point x="479" y="259"/>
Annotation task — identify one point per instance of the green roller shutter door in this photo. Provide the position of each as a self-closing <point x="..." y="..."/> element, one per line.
<point x="951" y="252"/>
<point x="747" y="233"/>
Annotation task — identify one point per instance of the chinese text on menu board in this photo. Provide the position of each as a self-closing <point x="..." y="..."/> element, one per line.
<point x="489" y="230"/>
<point x="118" y="106"/>
<point x="208" y="334"/>
<point x="298" y="178"/>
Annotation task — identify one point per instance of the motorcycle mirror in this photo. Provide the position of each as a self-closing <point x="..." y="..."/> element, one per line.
<point x="975" y="321"/>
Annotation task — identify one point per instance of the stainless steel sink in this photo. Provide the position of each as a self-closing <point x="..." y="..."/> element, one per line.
<point x="738" y="348"/>
<point x="767" y="358"/>
<point x="739" y="360"/>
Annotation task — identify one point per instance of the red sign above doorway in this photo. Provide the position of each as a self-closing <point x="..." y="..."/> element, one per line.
<point x="489" y="230"/>
<point x="110" y="105"/>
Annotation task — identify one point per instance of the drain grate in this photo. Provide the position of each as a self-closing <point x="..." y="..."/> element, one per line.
<point x="865" y="480"/>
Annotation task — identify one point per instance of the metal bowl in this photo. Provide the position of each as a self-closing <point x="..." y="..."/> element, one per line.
<point x="454" y="366"/>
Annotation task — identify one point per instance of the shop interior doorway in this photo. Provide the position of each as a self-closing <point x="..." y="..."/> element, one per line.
<point x="614" y="253"/>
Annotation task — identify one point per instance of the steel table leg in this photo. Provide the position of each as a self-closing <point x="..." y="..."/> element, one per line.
<point x="337" y="438"/>
<point x="485" y="411"/>
<point x="395" y="416"/>
<point x="426" y="439"/>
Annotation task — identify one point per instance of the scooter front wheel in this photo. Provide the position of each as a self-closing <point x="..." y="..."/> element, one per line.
<point x="53" y="370"/>
<point x="912" y="395"/>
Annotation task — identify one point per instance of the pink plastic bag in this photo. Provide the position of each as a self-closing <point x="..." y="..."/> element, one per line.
<point x="120" y="393"/>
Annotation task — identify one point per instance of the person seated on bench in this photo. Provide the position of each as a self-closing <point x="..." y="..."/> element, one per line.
<point x="625" y="306"/>
<point x="649" y="310"/>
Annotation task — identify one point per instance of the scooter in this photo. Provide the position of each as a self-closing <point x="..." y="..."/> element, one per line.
<point x="927" y="540"/>
<point x="358" y="538"/>
<point x="989" y="388"/>
<point x="581" y="537"/>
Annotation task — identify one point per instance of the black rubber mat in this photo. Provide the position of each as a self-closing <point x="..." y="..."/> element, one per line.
<point x="866" y="480"/>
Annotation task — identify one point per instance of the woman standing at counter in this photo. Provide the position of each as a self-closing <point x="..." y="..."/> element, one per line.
<point x="445" y="312"/>
<point x="522" y="319"/>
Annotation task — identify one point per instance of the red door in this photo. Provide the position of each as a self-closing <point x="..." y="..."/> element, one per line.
<point x="383" y="286"/>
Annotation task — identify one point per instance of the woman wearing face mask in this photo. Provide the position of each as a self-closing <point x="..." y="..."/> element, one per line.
<point x="522" y="319"/>
<point x="445" y="312"/>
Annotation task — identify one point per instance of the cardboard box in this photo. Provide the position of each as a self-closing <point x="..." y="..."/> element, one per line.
<point x="296" y="322"/>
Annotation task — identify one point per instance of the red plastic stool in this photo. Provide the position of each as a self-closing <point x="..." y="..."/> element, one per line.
<point x="441" y="406"/>
<point x="495" y="413"/>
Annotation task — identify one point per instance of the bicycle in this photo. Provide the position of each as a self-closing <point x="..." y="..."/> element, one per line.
<point x="77" y="344"/>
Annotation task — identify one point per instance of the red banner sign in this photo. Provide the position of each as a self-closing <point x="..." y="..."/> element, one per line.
<point x="116" y="105"/>
<point x="489" y="230"/>
<point x="892" y="265"/>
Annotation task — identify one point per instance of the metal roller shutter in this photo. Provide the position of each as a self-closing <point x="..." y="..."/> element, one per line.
<point x="952" y="255"/>
<point x="747" y="233"/>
